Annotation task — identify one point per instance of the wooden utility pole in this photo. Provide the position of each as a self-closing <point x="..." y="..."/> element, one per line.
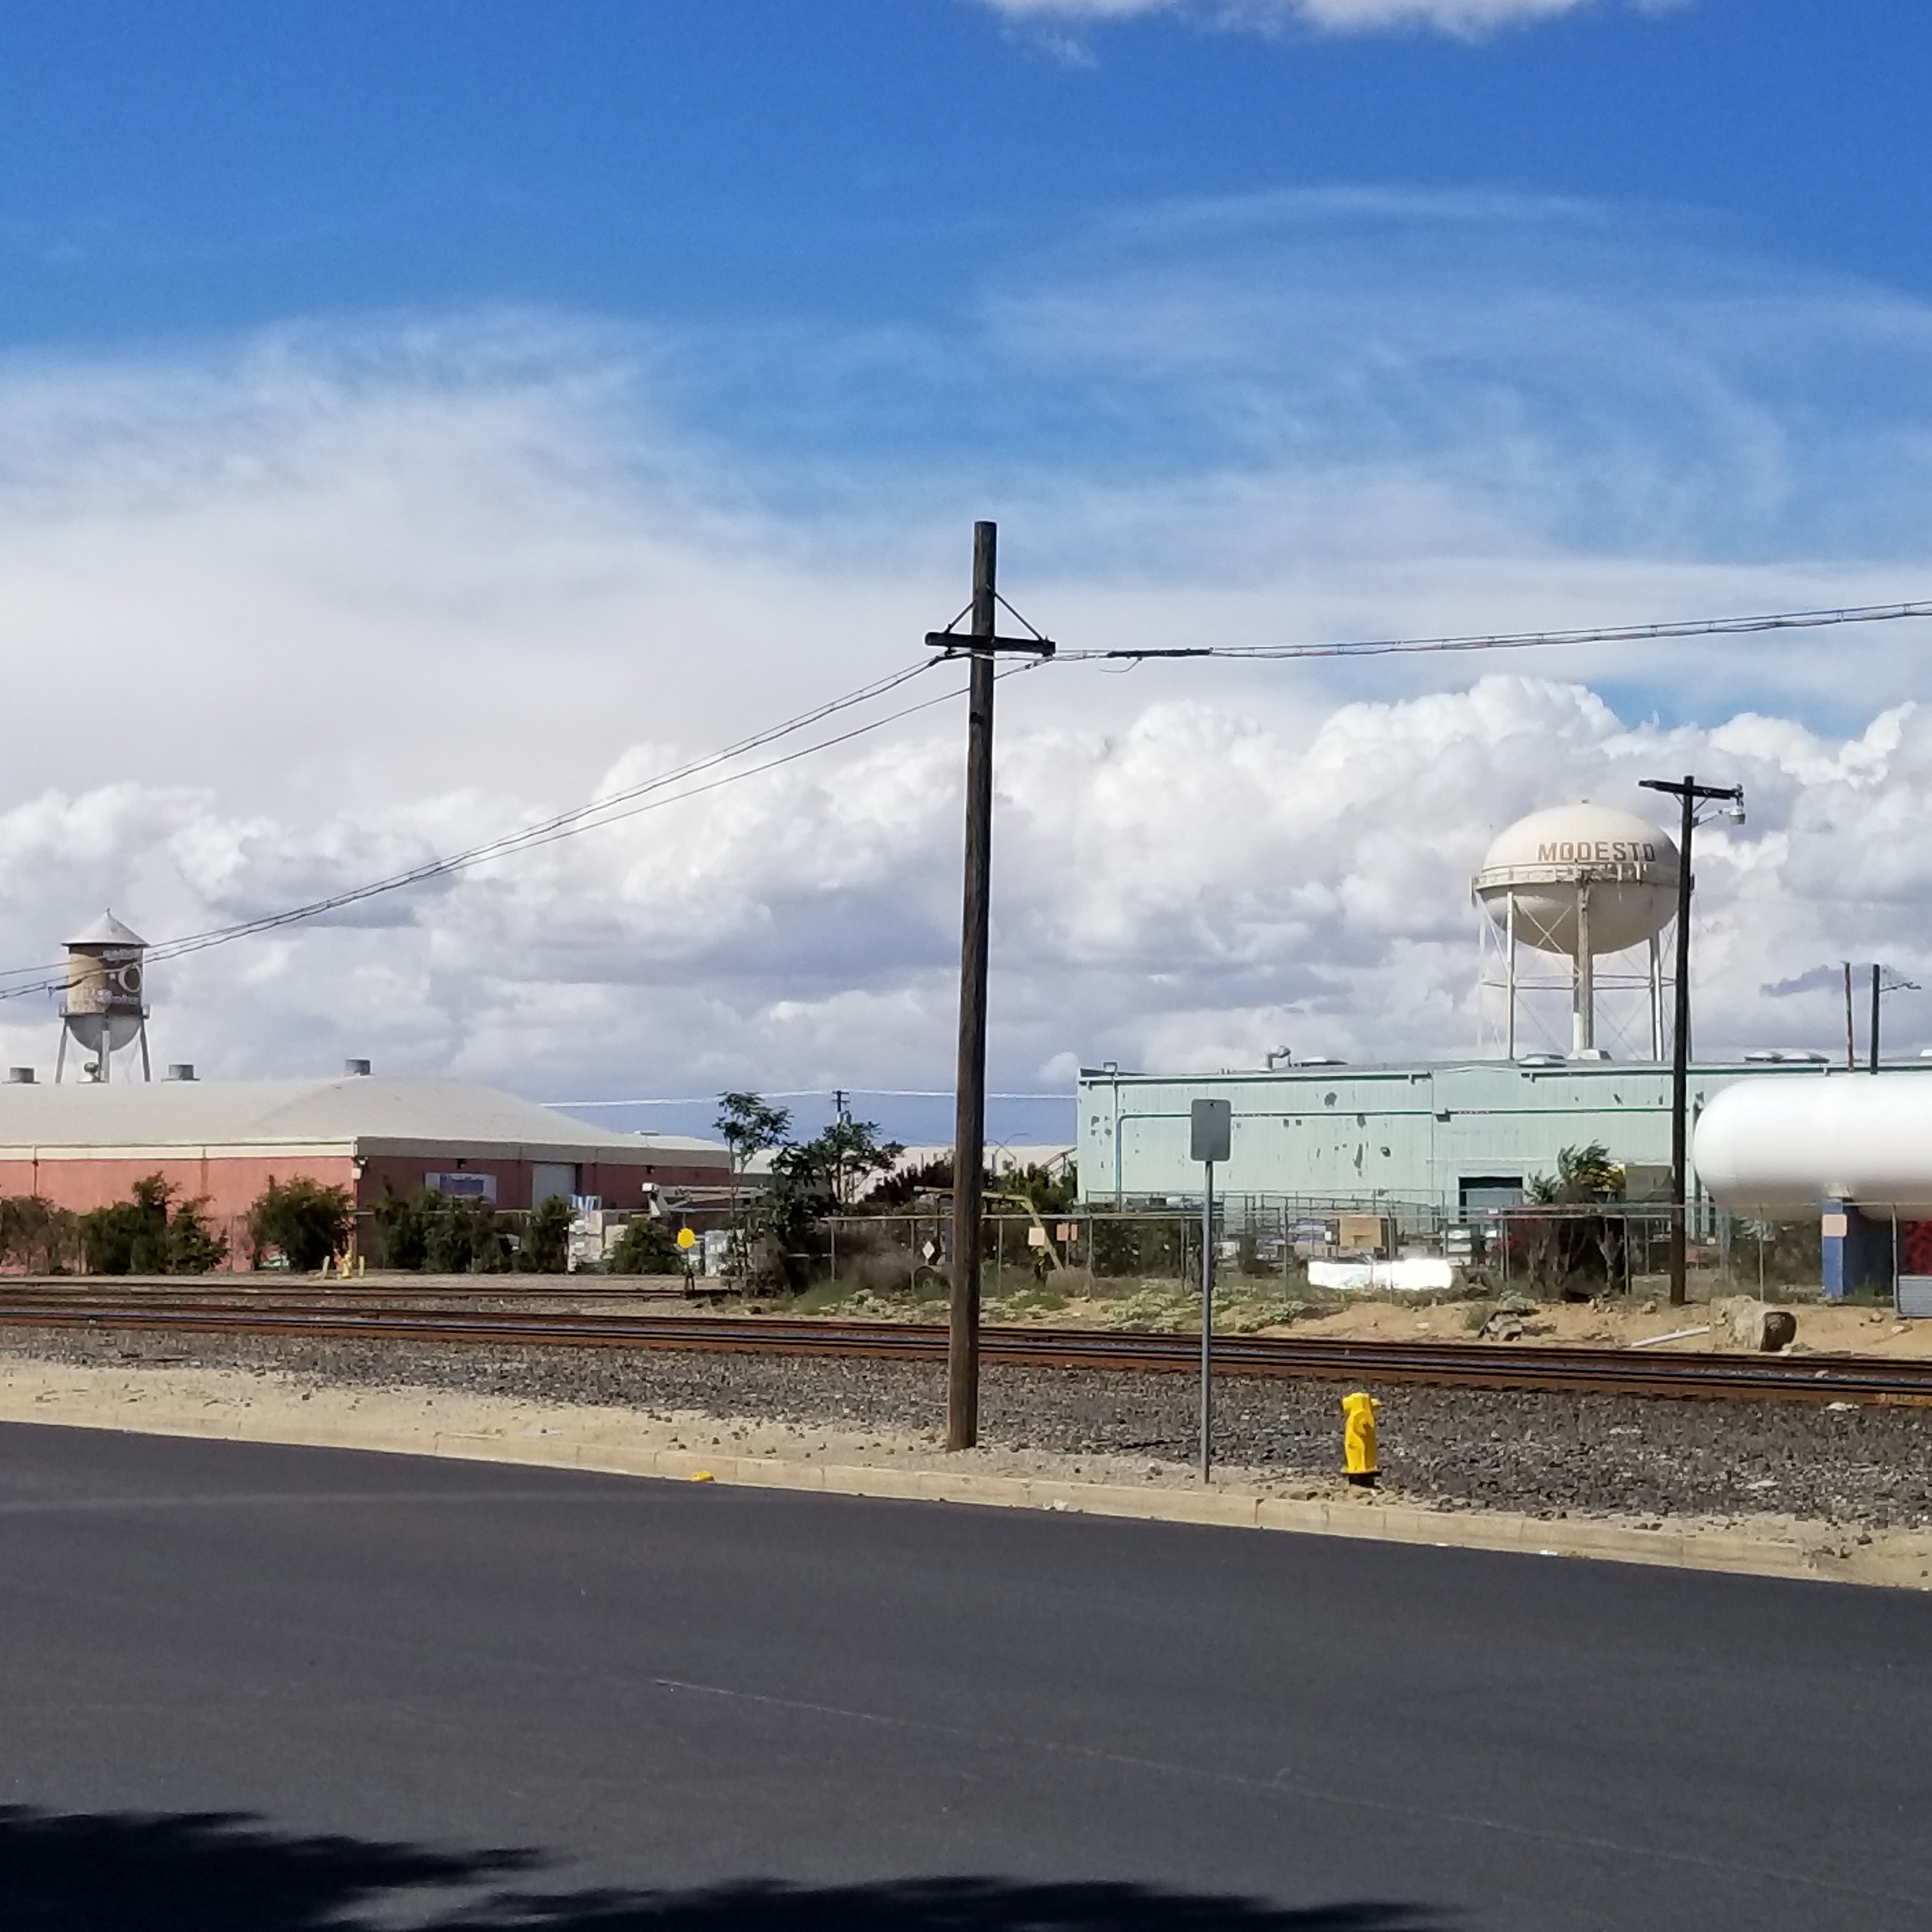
<point x="969" y="1133"/>
<point x="1690" y="794"/>
<point x="983" y="645"/>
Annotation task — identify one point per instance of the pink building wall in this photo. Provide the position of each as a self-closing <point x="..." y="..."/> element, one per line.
<point x="231" y="1183"/>
<point x="228" y="1183"/>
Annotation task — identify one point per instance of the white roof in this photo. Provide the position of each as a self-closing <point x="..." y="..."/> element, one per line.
<point x="1001" y="1157"/>
<point x="358" y="1113"/>
<point x="108" y="930"/>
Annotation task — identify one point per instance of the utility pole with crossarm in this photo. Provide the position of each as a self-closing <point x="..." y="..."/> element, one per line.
<point x="983" y="646"/>
<point x="1692" y="794"/>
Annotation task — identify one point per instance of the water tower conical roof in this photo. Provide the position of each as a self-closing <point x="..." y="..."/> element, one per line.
<point x="107" y="931"/>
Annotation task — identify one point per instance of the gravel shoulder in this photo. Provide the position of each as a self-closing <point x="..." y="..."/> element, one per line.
<point x="1851" y="1486"/>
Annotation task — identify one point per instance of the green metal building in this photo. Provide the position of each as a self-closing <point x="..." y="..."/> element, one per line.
<point x="1455" y="1137"/>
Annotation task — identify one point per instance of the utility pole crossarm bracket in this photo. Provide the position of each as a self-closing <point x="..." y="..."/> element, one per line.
<point x="964" y="644"/>
<point x="1690" y="789"/>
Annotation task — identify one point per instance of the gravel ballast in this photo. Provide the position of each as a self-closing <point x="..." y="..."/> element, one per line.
<point x="1869" y="1467"/>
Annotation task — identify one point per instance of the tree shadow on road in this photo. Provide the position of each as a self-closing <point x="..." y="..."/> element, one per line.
<point x="125" y="1872"/>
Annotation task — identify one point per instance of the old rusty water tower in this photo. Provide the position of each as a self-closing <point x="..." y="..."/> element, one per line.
<point x="105" y="1008"/>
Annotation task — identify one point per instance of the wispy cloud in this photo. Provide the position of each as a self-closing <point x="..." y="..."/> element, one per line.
<point x="1467" y="18"/>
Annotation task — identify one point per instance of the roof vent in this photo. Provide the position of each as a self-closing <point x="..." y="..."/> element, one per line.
<point x="182" y="1069"/>
<point x="356" y="1067"/>
<point x="19" y="1076"/>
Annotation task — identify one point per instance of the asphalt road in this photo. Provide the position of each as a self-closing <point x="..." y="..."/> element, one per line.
<point x="260" y="1689"/>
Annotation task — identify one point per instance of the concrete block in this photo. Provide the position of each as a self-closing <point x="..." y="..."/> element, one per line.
<point x="1756" y="1325"/>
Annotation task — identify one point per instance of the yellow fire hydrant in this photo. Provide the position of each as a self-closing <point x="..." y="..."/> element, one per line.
<point x="1358" y="1439"/>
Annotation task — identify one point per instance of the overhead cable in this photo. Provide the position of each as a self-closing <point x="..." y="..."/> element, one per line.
<point x="610" y="808"/>
<point x="614" y="807"/>
<point x="804" y="1093"/>
<point x="1516" y="641"/>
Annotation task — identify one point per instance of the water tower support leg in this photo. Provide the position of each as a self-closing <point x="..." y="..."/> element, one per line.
<point x="1656" y="998"/>
<point x="60" y="1055"/>
<point x="147" y="1072"/>
<point x="1583" y="1022"/>
<point x="1509" y="977"/>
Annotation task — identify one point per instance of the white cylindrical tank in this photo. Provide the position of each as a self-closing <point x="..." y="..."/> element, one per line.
<point x="1544" y="863"/>
<point x="1778" y="1148"/>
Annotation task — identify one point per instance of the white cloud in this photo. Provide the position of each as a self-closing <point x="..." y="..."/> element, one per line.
<point x="1466" y="17"/>
<point x="292" y="613"/>
<point x="1190" y="890"/>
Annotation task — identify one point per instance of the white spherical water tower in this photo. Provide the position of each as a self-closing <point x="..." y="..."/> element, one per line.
<point x="1581" y="883"/>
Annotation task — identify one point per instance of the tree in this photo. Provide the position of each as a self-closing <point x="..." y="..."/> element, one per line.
<point x="545" y="1249"/>
<point x="1584" y="1175"/>
<point x="747" y="1125"/>
<point x="140" y="1236"/>
<point x="837" y="1166"/>
<point x="645" y="1246"/>
<point x="903" y="1186"/>
<point x="1575" y="1252"/>
<point x="1043" y="1189"/>
<point x="302" y="1220"/>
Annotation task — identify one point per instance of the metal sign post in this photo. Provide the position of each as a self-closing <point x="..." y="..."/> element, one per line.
<point x="1211" y="1127"/>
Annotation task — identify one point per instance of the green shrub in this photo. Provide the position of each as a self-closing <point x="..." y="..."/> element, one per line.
<point x="545" y="1248"/>
<point x="36" y="1235"/>
<point x="466" y="1237"/>
<point x="139" y="1235"/>
<point x="193" y="1247"/>
<point x="645" y="1246"/>
<point x="303" y="1220"/>
<point x="401" y="1224"/>
<point x="425" y="1230"/>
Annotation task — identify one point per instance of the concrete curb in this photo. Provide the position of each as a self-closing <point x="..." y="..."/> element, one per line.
<point x="1902" y="1560"/>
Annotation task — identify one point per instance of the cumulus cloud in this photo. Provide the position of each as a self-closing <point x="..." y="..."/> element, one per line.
<point x="1187" y="891"/>
<point x="1466" y="17"/>
<point x="288" y="614"/>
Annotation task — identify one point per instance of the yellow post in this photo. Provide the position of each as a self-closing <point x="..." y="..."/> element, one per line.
<point x="1358" y="1439"/>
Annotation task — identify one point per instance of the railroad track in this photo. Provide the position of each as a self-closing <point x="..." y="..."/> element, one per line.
<point x="1453" y="1365"/>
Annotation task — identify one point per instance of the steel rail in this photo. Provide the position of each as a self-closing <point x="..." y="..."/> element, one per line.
<point x="1458" y="1365"/>
<point x="124" y="1290"/>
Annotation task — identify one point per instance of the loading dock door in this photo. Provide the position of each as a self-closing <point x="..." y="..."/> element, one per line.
<point x="551" y="1177"/>
<point x="1484" y="1193"/>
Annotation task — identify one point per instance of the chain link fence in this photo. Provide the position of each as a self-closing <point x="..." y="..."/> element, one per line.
<point x="1304" y="1251"/>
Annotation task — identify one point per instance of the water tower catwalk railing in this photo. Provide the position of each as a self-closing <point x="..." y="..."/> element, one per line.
<point x="1512" y="996"/>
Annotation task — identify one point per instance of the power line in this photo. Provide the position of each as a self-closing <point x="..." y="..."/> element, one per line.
<point x="614" y="808"/>
<point x="805" y="1093"/>
<point x="590" y="817"/>
<point x="1518" y="641"/>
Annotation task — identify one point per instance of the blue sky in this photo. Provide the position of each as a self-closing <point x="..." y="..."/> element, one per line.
<point x="196" y="166"/>
<point x="421" y="415"/>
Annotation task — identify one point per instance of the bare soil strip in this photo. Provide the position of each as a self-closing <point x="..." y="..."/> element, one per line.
<point x="266" y="1404"/>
